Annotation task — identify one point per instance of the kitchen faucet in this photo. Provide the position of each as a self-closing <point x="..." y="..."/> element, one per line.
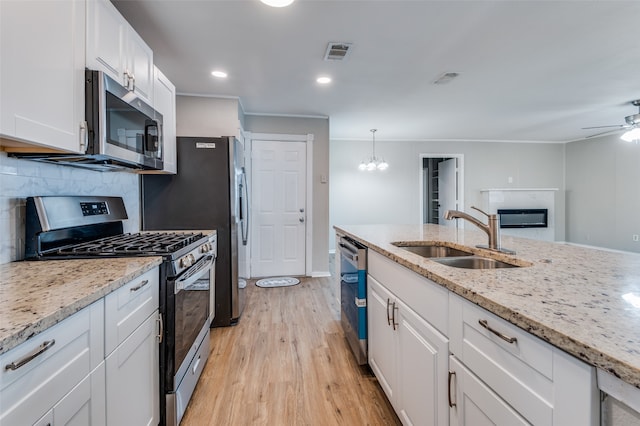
<point x="492" y="228"/>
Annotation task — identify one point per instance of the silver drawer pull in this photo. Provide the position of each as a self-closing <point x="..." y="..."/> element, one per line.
<point x="37" y="351"/>
<point x="497" y="333"/>
<point x="138" y="287"/>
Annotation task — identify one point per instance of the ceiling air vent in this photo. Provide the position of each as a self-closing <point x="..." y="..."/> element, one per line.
<point x="337" y="51"/>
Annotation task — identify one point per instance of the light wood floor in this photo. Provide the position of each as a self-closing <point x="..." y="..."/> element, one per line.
<point x="287" y="363"/>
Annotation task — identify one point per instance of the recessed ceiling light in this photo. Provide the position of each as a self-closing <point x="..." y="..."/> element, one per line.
<point x="219" y="74"/>
<point x="277" y="3"/>
<point x="323" y="80"/>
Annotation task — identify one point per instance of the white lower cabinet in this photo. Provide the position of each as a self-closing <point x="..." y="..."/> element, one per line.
<point x="61" y="377"/>
<point x="132" y="352"/>
<point x="132" y="378"/>
<point x="407" y="354"/>
<point x="474" y="404"/>
<point x="513" y="377"/>
<point x="55" y="373"/>
<point x="441" y="359"/>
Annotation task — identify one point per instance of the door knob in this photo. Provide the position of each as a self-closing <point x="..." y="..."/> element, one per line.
<point x="301" y="210"/>
<point x="301" y="220"/>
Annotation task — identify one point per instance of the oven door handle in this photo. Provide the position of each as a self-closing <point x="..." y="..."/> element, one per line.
<point x="202" y="267"/>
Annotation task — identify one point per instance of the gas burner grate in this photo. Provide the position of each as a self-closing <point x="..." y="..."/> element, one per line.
<point x="134" y="244"/>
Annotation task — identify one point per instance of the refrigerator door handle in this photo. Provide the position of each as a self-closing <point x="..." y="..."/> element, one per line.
<point x="244" y="195"/>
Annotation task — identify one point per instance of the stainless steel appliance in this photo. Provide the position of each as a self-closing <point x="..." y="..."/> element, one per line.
<point x="209" y="192"/>
<point x="92" y="227"/>
<point x="353" y="295"/>
<point x="123" y="132"/>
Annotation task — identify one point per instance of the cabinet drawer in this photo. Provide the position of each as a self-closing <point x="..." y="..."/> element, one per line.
<point x="31" y="390"/>
<point x="521" y="371"/>
<point x="428" y="299"/>
<point x="128" y="307"/>
<point x="541" y="382"/>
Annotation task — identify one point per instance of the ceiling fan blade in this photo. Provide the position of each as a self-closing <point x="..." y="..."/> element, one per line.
<point x="607" y="132"/>
<point x="603" y="127"/>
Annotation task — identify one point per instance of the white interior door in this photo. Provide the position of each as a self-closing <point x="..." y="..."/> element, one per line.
<point x="278" y="186"/>
<point x="447" y="189"/>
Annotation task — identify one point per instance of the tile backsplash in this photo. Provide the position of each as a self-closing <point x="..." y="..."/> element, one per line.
<point x="20" y="179"/>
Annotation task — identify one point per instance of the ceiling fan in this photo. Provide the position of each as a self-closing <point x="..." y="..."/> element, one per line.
<point x="632" y="126"/>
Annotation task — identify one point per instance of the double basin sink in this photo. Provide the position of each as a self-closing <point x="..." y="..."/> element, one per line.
<point x="454" y="257"/>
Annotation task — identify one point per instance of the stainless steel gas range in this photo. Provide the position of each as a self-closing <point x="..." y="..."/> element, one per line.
<point x="92" y="227"/>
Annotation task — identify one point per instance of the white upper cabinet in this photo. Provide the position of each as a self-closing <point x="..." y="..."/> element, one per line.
<point x="164" y="101"/>
<point x="42" y="73"/>
<point x="114" y="47"/>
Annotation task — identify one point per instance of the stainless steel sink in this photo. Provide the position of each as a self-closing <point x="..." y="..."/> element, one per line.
<point x="473" y="262"/>
<point x="434" y="251"/>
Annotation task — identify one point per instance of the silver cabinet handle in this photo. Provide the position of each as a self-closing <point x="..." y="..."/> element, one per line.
<point x="161" y="328"/>
<point x="84" y="136"/>
<point x="138" y="287"/>
<point x="393" y="316"/>
<point x="504" y="337"/>
<point x="47" y="344"/>
<point x="451" y="403"/>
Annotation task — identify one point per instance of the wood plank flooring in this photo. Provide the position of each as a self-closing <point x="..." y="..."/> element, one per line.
<point x="287" y="363"/>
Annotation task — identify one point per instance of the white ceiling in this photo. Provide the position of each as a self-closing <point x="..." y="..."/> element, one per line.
<point x="529" y="70"/>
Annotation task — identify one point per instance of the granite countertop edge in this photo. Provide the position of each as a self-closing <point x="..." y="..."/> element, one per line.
<point x="94" y="287"/>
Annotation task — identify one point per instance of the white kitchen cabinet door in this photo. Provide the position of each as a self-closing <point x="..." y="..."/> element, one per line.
<point x="474" y="404"/>
<point x="139" y="59"/>
<point x="423" y="355"/>
<point x="164" y="101"/>
<point x="42" y="78"/>
<point x="132" y="382"/>
<point x="114" y="47"/>
<point x="381" y="337"/>
<point x="85" y="404"/>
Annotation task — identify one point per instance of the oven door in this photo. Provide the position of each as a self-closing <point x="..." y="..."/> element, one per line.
<point x="192" y="291"/>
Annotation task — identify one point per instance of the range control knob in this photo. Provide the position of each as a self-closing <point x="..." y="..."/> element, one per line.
<point x="187" y="261"/>
<point x="206" y="248"/>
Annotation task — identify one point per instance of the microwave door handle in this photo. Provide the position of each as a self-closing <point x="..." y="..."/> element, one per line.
<point x="150" y="145"/>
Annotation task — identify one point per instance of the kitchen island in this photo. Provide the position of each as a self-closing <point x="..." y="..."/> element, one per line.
<point x="583" y="301"/>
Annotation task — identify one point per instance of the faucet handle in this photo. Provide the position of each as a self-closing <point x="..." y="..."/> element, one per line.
<point x="484" y="213"/>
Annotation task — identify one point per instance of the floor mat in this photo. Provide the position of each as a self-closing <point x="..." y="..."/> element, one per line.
<point x="277" y="282"/>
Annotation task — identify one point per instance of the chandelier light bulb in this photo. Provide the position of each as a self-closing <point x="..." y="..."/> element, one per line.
<point x="374" y="163"/>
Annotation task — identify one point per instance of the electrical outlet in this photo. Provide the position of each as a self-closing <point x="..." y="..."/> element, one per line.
<point x="635" y="237"/>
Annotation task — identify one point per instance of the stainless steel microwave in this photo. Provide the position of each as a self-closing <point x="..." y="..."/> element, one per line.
<point x="122" y="128"/>
<point x="123" y="132"/>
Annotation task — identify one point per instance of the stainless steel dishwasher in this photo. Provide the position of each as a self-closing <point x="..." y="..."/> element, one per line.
<point x="353" y="295"/>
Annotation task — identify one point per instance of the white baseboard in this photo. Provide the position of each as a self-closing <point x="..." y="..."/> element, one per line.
<point x="319" y="274"/>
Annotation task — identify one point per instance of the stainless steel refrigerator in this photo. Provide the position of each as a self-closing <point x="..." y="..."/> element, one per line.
<point x="208" y="192"/>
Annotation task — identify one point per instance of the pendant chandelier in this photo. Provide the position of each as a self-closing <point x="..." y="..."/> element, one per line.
<point x="373" y="162"/>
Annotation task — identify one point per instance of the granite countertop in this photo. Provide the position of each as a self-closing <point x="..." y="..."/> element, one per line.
<point x="584" y="301"/>
<point x="34" y="295"/>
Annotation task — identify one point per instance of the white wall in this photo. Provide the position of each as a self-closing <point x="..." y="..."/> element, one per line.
<point x="393" y="196"/>
<point x="207" y="116"/>
<point x="603" y="193"/>
<point x="22" y="178"/>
